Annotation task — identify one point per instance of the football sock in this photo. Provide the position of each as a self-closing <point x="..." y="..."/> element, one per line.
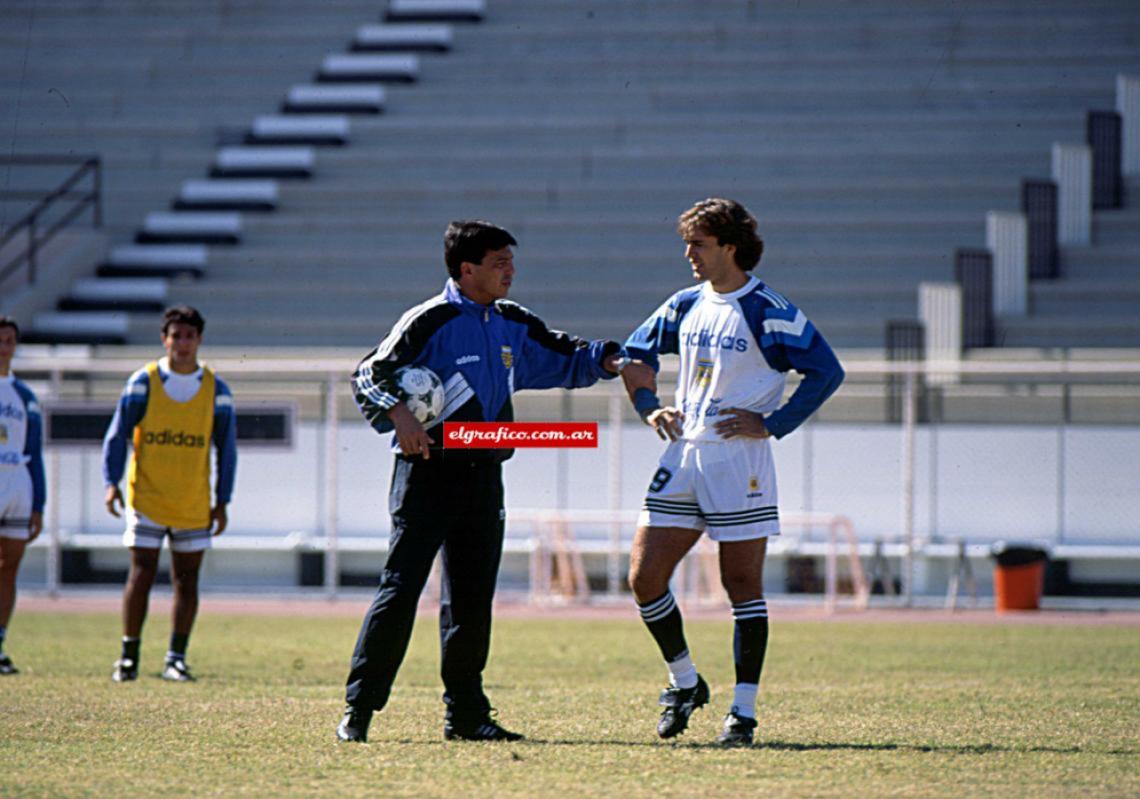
<point x="744" y="700"/>
<point x="178" y="644"/>
<point x="682" y="672"/>
<point x="749" y="644"/>
<point x="130" y="649"/>
<point x="3" y="632"/>
<point x="663" y="618"/>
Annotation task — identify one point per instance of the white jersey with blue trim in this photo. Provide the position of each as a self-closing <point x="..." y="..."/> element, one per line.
<point x="722" y="365"/>
<point x="14" y="418"/>
<point x="735" y="349"/>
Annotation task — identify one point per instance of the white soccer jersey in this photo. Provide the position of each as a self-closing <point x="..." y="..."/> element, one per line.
<point x="735" y="349"/>
<point x="721" y="363"/>
<point x="13" y="424"/>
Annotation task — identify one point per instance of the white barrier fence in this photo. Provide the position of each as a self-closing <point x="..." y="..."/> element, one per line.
<point x="551" y="543"/>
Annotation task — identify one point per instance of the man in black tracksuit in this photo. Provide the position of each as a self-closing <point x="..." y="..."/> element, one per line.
<point x="483" y="347"/>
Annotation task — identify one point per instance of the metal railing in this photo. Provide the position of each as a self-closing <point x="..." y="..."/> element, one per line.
<point x="33" y="224"/>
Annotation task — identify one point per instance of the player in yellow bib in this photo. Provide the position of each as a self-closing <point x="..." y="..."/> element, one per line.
<point x="170" y="411"/>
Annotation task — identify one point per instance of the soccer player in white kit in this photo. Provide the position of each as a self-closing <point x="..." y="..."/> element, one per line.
<point x="22" y="489"/>
<point x="736" y="339"/>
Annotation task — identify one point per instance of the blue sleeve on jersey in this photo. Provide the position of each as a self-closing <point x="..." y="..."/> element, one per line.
<point x="788" y="340"/>
<point x="658" y="335"/>
<point x="128" y="413"/>
<point x="225" y="440"/>
<point x="34" y="446"/>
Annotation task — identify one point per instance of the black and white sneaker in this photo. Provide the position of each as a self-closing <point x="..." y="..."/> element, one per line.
<point x="177" y="671"/>
<point x="737" y="731"/>
<point x="126" y="670"/>
<point x="354" y="726"/>
<point x="7" y="666"/>
<point x="485" y="729"/>
<point x="679" y="705"/>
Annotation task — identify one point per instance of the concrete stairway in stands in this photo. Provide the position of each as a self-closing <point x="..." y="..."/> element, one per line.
<point x="870" y="140"/>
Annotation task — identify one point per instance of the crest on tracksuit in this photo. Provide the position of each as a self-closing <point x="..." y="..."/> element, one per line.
<point x="507" y="356"/>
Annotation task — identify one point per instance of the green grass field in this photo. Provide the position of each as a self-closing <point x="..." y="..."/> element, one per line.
<point x="857" y="709"/>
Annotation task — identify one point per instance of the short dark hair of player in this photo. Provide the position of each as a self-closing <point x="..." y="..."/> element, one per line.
<point x="7" y="321"/>
<point x="184" y="314"/>
<point x="731" y="223"/>
<point x="469" y="240"/>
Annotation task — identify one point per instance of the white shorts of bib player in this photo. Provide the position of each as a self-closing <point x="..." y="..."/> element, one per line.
<point x="145" y="533"/>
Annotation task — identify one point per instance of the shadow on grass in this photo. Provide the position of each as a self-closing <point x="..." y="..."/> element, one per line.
<point x="821" y="746"/>
<point x="954" y="749"/>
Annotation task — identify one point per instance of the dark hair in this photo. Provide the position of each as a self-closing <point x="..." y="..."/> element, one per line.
<point x="184" y="314"/>
<point x="731" y="223"/>
<point x="469" y="240"/>
<point x="7" y="321"/>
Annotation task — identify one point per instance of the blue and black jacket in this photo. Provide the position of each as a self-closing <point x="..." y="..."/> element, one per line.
<point x="481" y="353"/>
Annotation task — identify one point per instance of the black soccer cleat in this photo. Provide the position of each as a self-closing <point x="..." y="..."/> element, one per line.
<point x="485" y="729"/>
<point x="737" y="731"/>
<point x="126" y="670"/>
<point x="7" y="666"/>
<point x="679" y="705"/>
<point x="176" y="670"/>
<point x="354" y="726"/>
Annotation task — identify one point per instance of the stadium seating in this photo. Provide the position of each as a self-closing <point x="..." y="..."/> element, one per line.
<point x="870" y="141"/>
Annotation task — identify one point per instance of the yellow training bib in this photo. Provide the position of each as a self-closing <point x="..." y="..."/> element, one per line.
<point x="169" y="477"/>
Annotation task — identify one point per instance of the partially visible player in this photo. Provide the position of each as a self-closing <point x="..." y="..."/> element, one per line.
<point x="736" y="338"/>
<point x="170" y="412"/>
<point x="22" y="491"/>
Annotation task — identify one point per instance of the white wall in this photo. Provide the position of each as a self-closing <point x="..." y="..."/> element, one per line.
<point x="975" y="482"/>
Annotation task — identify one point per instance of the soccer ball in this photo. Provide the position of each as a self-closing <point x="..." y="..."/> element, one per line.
<point x="422" y="391"/>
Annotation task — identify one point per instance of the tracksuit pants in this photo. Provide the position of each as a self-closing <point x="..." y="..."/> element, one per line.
<point x="455" y="503"/>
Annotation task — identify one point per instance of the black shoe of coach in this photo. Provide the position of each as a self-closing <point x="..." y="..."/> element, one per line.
<point x="354" y="725"/>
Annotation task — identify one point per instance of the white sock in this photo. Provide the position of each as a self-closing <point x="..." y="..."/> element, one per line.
<point x="682" y="672"/>
<point x="744" y="700"/>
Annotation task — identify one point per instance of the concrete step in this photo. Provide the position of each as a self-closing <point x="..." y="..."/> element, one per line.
<point x="156" y="260"/>
<point x="403" y="37"/>
<point x="1100" y="299"/>
<point x="116" y="294"/>
<point x="190" y="227"/>
<point x="436" y="10"/>
<point x="1069" y="332"/>
<point x="367" y="68"/>
<point x="334" y="98"/>
<point x="326" y="129"/>
<point x="79" y="327"/>
<point x="228" y="195"/>
<point x="264" y="162"/>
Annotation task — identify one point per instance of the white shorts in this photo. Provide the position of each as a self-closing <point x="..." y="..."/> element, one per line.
<point x="725" y="487"/>
<point x="147" y="534"/>
<point x="15" y="502"/>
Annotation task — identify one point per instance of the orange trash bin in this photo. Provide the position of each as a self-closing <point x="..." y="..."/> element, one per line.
<point x="1019" y="577"/>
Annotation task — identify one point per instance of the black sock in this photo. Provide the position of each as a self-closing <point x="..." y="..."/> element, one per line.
<point x="3" y="632"/>
<point x="131" y="649"/>
<point x="178" y="644"/>
<point x="750" y="639"/>
<point x="663" y="618"/>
